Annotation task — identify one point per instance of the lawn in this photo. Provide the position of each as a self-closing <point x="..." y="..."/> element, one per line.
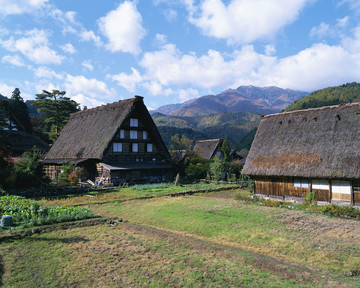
<point x="137" y="191"/>
<point x="207" y="240"/>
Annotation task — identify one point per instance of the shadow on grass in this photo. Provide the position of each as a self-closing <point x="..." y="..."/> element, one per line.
<point x="69" y="240"/>
<point x="9" y="239"/>
<point x="2" y="271"/>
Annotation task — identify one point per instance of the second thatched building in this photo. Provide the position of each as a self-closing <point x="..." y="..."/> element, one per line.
<point x="116" y="143"/>
<point x="308" y="150"/>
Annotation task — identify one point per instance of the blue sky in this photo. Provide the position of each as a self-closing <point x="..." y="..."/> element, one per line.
<point x="170" y="51"/>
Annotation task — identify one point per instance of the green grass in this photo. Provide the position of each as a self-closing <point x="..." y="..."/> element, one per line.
<point x="136" y="191"/>
<point x="126" y="257"/>
<point x="247" y="226"/>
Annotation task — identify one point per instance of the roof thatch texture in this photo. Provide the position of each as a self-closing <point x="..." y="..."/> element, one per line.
<point x="89" y="132"/>
<point x="21" y="141"/>
<point x="313" y="143"/>
<point x="206" y="148"/>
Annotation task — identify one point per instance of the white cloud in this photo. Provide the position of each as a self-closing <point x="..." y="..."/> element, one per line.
<point x="92" y="88"/>
<point x="11" y="7"/>
<point x="90" y="36"/>
<point x="70" y="24"/>
<point x="270" y="50"/>
<point x="69" y="48"/>
<point x="6" y="90"/>
<point x="170" y="14"/>
<point x="187" y="94"/>
<point x="87" y="65"/>
<point x="45" y="72"/>
<point x="243" y="21"/>
<point x="326" y="30"/>
<point x="35" y="46"/>
<point x="128" y="81"/>
<point x="86" y="101"/>
<point x="15" y="60"/>
<point x="123" y="28"/>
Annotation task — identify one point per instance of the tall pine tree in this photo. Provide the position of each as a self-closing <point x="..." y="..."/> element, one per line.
<point x="56" y="109"/>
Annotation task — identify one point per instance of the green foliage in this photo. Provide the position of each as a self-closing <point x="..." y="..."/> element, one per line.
<point x="310" y="198"/>
<point x="4" y="134"/>
<point x="330" y="209"/>
<point x="29" y="211"/>
<point x="197" y="168"/>
<point x="56" y="109"/>
<point x="19" y="110"/>
<point x="235" y="125"/>
<point x="182" y="143"/>
<point x="67" y="169"/>
<point x="346" y="93"/>
<point x="29" y="170"/>
<point x="236" y="167"/>
<point x="216" y="168"/>
<point x="225" y="148"/>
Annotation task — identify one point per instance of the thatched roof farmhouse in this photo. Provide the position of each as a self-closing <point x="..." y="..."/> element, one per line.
<point x="117" y="142"/>
<point x="208" y="149"/>
<point x="313" y="149"/>
<point x="21" y="139"/>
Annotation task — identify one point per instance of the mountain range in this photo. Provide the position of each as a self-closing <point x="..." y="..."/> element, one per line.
<point x="262" y="100"/>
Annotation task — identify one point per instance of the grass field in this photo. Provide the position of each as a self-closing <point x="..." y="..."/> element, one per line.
<point x="208" y="240"/>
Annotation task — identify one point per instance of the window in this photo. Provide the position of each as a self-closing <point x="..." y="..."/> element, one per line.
<point x="133" y="134"/>
<point x="135" y="147"/>
<point x="301" y="183"/>
<point x="320" y="185"/>
<point x="122" y="134"/>
<point x="134" y="122"/>
<point x="117" y="147"/>
<point x="144" y="135"/>
<point x="341" y="187"/>
<point x="149" y="148"/>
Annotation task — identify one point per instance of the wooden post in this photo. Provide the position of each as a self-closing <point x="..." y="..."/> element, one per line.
<point x="330" y="191"/>
<point x="352" y="193"/>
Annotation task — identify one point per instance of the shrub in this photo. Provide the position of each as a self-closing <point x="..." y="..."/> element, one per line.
<point x="67" y="168"/>
<point x="310" y="198"/>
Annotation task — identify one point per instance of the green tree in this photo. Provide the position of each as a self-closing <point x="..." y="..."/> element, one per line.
<point x="19" y="110"/>
<point x="4" y="134"/>
<point x="56" y="109"/>
<point x="216" y="168"/>
<point x="181" y="152"/>
<point x="29" y="170"/>
<point x="225" y="148"/>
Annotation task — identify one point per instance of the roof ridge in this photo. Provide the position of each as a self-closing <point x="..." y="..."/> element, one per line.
<point x="313" y="109"/>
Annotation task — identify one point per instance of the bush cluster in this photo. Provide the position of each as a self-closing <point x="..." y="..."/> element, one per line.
<point x="29" y="211"/>
<point x="308" y="205"/>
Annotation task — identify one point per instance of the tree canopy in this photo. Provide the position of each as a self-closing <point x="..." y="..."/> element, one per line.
<point x="56" y="109"/>
<point x="343" y="94"/>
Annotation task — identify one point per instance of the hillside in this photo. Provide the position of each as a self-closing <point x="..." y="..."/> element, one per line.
<point x="346" y="93"/>
<point x="263" y="100"/>
<point x="236" y="126"/>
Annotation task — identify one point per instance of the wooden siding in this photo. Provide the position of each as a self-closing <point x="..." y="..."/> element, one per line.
<point x="279" y="187"/>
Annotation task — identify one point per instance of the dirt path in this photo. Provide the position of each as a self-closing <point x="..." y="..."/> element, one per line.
<point x="279" y="267"/>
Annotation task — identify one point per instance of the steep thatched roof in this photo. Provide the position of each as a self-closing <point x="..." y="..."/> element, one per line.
<point x="206" y="148"/>
<point x="21" y="141"/>
<point x="314" y="143"/>
<point x="89" y="132"/>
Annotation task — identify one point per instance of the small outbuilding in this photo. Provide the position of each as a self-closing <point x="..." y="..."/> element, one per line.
<point x="209" y="148"/>
<point x="308" y="150"/>
<point x="114" y="143"/>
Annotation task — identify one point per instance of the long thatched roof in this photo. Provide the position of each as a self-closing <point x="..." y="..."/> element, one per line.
<point x="314" y="143"/>
<point x="89" y="132"/>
